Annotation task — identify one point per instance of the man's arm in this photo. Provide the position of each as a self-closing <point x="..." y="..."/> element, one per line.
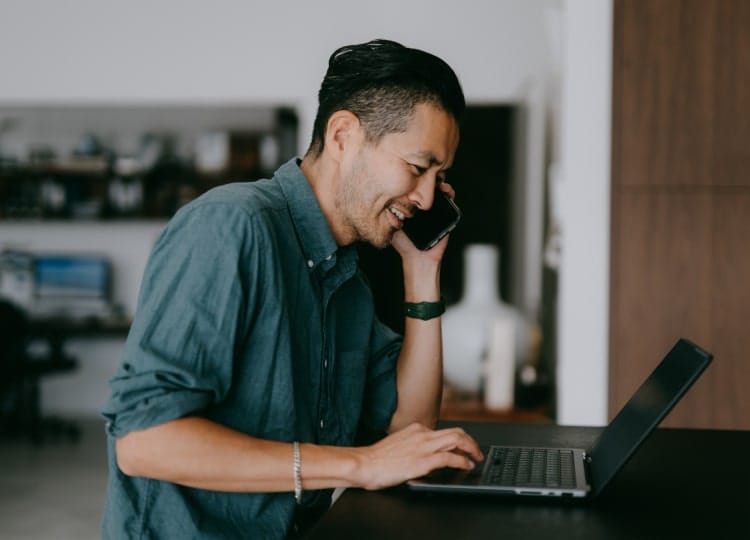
<point x="419" y="375"/>
<point x="199" y="453"/>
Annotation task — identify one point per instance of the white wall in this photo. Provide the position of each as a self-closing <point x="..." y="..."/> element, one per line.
<point x="234" y="52"/>
<point x="583" y="304"/>
<point x="239" y="51"/>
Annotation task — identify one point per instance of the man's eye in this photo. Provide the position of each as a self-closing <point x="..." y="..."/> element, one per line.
<point x="419" y="170"/>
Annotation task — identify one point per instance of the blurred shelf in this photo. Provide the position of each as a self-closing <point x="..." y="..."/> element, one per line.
<point x="473" y="410"/>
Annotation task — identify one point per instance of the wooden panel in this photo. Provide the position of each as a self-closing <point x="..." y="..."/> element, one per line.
<point x="660" y="288"/>
<point x="681" y="82"/>
<point x="730" y="310"/>
<point x="731" y="133"/>
<point x="680" y="254"/>
<point x="664" y="57"/>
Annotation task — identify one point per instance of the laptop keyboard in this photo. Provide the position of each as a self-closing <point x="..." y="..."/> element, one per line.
<point x="531" y="467"/>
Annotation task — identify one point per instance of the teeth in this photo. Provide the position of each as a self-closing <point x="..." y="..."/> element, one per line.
<point x="397" y="213"/>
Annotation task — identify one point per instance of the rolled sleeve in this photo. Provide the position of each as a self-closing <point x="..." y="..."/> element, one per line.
<point x="145" y="400"/>
<point x="179" y="354"/>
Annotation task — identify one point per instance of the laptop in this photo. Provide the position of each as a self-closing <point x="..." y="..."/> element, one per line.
<point x="580" y="472"/>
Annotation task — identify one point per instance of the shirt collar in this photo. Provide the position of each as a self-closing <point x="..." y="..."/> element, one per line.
<point x="315" y="236"/>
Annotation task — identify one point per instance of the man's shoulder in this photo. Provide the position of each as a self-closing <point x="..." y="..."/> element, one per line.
<point x="259" y="205"/>
<point x="252" y="196"/>
<point x="230" y="210"/>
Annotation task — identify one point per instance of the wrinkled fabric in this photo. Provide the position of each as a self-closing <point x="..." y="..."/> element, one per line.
<point x="249" y="315"/>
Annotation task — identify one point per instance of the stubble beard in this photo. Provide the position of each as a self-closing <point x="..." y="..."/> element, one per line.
<point x="352" y="202"/>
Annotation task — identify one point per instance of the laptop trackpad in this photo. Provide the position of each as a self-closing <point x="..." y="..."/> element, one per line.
<point x="455" y="476"/>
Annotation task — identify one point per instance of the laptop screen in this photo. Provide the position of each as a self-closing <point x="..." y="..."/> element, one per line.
<point x="643" y="412"/>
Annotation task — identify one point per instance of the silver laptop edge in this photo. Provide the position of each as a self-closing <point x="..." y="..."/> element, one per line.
<point x="638" y="418"/>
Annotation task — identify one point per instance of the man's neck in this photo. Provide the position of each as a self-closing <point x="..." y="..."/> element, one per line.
<point x="323" y="177"/>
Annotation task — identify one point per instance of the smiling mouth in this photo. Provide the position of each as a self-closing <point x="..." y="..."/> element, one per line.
<point x="398" y="213"/>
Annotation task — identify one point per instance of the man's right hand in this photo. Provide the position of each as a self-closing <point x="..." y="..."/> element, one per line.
<point x="413" y="452"/>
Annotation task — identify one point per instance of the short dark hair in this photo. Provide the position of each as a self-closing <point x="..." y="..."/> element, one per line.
<point x="381" y="82"/>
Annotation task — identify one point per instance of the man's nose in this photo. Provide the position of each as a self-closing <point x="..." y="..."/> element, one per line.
<point x="424" y="194"/>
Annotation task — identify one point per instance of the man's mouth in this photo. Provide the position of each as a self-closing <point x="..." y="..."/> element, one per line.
<point x="400" y="216"/>
<point x="398" y="213"/>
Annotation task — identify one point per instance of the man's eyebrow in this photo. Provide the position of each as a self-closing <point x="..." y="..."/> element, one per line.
<point x="427" y="156"/>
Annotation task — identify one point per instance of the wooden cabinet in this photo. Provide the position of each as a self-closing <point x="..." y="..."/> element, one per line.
<point x="680" y="244"/>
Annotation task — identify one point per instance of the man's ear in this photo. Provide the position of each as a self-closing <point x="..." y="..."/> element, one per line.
<point x="342" y="132"/>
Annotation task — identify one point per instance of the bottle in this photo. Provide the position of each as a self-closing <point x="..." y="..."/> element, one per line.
<point x="500" y="366"/>
<point x="468" y="325"/>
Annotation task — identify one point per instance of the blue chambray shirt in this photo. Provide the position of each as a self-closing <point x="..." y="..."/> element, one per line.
<point x="250" y="315"/>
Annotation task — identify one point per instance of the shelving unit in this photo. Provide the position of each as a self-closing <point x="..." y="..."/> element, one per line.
<point x="97" y="162"/>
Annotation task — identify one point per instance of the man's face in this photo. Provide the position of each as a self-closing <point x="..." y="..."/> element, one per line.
<point x="386" y="181"/>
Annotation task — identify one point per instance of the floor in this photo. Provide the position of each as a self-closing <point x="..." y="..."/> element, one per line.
<point x="55" y="491"/>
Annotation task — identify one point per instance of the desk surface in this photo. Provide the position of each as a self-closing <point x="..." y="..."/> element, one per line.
<point x="63" y="327"/>
<point x="652" y="496"/>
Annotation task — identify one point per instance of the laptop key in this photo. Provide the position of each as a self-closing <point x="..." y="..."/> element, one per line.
<point x="531" y="467"/>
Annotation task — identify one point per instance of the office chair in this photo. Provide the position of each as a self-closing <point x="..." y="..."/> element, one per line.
<point x="20" y="377"/>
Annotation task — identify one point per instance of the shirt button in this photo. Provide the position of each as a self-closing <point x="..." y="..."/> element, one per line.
<point x="329" y="257"/>
<point x="322" y="424"/>
<point x="310" y="264"/>
<point x="325" y="363"/>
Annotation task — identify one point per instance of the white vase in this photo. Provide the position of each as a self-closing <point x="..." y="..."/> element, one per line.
<point x="468" y="328"/>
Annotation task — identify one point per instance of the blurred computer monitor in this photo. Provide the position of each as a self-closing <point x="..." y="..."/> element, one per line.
<point x="69" y="285"/>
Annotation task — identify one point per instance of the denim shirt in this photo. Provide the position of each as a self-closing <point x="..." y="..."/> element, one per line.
<point x="249" y="315"/>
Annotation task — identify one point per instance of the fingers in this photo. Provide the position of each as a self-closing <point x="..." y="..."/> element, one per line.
<point x="447" y="189"/>
<point x="451" y="460"/>
<point x="447" y="459"/>
<point x="456" y="440"/>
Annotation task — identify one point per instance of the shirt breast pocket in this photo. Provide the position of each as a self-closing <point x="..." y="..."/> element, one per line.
<point x="350" y="385"/>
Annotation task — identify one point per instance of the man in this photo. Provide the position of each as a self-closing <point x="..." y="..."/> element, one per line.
<point x="255" y="355"/>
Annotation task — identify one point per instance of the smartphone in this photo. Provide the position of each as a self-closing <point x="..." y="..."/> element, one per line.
<point x="427" y="228"/>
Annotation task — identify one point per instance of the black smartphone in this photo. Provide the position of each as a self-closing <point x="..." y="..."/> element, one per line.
<point x="427" y="228"/>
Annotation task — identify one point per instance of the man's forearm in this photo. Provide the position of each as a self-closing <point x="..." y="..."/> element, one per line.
<point x="419" y="375"/>
<point x="420" y="366"/>
<point x="199" y="453"/>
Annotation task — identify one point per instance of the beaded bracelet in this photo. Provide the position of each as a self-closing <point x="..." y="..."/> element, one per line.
<point x="297" y="473"/>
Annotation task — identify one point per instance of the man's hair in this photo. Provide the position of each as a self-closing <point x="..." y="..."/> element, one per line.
<point x="381" y="82"/>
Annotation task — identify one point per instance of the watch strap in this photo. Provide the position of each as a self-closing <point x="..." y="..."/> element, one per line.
<point x="424" y="310"/>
